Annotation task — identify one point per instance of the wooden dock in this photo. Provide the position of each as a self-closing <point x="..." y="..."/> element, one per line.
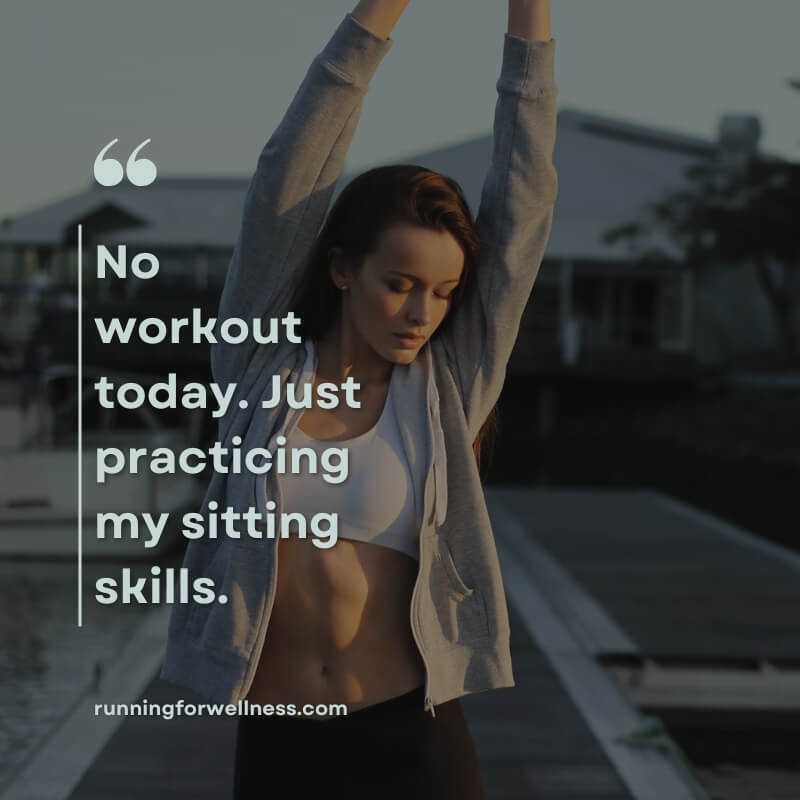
<point x="526" y="736"/>
<point x="681" y="583"/>
<point x="590" y="575"/>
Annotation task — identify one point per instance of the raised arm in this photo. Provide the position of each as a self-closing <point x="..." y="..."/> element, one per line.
<point x="515" y="214"/>
<point x="294" y="179"/>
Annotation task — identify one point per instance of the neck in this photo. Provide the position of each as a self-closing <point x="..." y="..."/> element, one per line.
<point x="342" y="354"/>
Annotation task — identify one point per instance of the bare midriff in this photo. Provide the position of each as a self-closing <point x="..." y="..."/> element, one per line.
<point x="340" y="626"/>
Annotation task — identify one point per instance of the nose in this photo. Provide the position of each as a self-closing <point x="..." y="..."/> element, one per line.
<point x="419" y="309"/>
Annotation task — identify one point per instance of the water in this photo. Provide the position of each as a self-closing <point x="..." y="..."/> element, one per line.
<point x="47" y="663"/>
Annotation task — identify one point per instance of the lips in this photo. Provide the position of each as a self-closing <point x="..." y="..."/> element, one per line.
<point x="408" y="339"/>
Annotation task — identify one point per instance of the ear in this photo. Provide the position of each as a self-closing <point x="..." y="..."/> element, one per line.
<point x="338" y="266"/>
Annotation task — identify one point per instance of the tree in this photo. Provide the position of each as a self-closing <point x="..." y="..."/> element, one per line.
<point x="732" y="214"/>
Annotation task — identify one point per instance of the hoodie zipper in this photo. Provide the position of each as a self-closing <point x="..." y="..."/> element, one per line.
<point x="428" y="704"/>
<point x="263" y="622"/>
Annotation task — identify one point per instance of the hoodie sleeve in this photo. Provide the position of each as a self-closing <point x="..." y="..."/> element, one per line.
<point x="513" y="224"/>
<point x="289" y="193"/>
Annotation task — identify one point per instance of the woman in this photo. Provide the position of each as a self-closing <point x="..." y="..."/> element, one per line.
<point x="403" y="293"/>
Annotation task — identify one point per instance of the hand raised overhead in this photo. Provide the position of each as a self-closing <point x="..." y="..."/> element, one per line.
<point x="379" y="16"/>
<point x="529" y="19"/>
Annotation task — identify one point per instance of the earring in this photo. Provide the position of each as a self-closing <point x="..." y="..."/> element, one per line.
<point x="344" y="287"/>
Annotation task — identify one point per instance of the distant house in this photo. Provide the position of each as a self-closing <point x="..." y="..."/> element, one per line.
<point x="591" y="307"/>
<point x="190" y="224"/>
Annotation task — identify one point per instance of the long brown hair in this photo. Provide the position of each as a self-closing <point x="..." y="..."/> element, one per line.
<point x="366" y="207"/>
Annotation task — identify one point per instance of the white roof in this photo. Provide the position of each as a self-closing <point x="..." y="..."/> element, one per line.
<point x="607" y="171"/>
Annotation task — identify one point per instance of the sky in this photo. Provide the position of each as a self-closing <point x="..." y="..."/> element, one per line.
<point x="207" y="82"/>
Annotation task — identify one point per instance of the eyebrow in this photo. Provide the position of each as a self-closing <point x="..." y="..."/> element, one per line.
<point x="416" y="279"/>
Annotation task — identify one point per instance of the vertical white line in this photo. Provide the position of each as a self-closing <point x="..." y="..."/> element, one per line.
<point x="80" y="426"/>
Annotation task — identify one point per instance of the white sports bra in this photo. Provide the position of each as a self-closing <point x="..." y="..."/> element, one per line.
<point x="375" y="503"/>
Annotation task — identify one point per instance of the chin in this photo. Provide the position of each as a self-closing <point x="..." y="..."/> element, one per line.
<point x="405" y="356"/>
<point x="394" y="357"/>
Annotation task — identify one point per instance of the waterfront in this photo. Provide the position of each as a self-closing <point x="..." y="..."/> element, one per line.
<point x="48" y="663"/>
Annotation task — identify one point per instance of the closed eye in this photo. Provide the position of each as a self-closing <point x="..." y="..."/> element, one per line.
<point x="402" y="289"/>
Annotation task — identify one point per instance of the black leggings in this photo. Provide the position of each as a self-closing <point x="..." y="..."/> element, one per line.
<point x="393" y="749"/>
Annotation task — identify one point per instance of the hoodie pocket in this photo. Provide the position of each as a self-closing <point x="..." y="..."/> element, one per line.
<point x="459" y="587"/>
<point x="460" y="609"/>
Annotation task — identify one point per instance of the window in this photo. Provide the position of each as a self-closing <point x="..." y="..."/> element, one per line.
<point x="673" y="310"/>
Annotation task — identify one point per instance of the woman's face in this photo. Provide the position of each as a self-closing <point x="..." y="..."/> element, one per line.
<point x="404" y="287"/>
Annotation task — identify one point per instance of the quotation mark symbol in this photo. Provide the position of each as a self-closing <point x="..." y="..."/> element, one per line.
<point x="110" y="172"/>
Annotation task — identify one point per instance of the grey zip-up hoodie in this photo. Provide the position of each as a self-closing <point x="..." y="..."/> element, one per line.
<point x="458" y="612"/>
